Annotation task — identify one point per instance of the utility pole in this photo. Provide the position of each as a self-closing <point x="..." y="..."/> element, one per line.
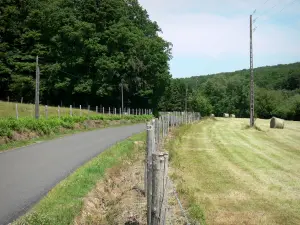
<point x="122" y="96"/>
<point x="186" y="91"/>
<point x="251" y="78"/>
<point x="37" y="89"/>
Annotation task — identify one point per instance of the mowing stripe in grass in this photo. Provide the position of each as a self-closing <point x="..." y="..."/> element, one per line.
<point x="247" y="176"/>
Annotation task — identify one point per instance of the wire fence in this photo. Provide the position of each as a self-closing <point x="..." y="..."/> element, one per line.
<point x="157" y="184"/>
<point x="19" y="110"/>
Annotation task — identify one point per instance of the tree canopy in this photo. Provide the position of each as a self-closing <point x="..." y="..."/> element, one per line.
<point x="86" y="49"/>
<point x="277" y="93"/>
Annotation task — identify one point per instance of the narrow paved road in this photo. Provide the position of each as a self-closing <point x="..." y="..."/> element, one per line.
<point x="28" y="173"/>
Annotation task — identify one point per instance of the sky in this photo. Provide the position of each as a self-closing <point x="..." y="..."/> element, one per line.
<point x="214" y="36"/>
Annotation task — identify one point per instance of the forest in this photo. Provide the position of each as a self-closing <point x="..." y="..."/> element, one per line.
<point x="277" y="93"/>
<point x="89" y="49"/>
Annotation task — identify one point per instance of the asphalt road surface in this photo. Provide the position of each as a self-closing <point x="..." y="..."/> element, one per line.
<point x="27" y="174"/>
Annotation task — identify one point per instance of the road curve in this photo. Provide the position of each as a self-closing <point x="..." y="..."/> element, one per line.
<point x="27" y="174"/>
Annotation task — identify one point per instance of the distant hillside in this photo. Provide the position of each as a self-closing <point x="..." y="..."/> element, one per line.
<point x="277" y="92"/>
<point x="282" y="76"/>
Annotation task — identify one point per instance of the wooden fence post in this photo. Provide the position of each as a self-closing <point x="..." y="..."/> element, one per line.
<point x="103" y="111"/>
<point x="148" y="168"/>
<point x="157" y="187"/>
<point x="88" y="112"/>
<point x="157" y="131"/>
<point x="164" y="197"/>
<point x="46" y="111"/>
<point x="80" y="111"/>
<point x="108" y="110"/>
<point x="70" y="110"/>
<point x="17" y="112"/>
<point x="96" y="109"/>
<point x="58" y="111"/>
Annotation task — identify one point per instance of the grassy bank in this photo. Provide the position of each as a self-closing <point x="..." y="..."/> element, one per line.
<point x="228" y="174"/>
<point x="15" y="132"/>
<point x="64" y="202"/>
<point x="8" y="109"/>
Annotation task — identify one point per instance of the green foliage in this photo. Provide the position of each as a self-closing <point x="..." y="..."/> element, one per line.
<point x="199" y="103"/>
<point x="86" y="50"/>
<point x="277" y="90"/>
<point x="44" y="126"/>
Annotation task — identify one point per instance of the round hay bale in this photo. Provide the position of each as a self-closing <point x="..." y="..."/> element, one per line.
<point x="232" y="116"/>
<point x="276" y="123"/>
<point x="226" y="115"/>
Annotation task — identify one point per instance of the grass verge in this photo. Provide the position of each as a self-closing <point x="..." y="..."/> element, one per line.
<point x="15" y="133"/>
<point x="64" y="202"/>
<point x="187" y="196"/>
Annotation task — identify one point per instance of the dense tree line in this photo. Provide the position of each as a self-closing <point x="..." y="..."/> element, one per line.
<point x="277" y="93"/>
<point x="87" y="49"/>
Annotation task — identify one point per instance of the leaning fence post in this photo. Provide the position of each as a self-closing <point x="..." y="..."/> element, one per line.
<point x="17" y="112"/>
<point x="148" y="169"/>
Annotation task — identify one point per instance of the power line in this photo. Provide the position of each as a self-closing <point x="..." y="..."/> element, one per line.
<point x="291" y="3"/>
<point x="273" y="7"/>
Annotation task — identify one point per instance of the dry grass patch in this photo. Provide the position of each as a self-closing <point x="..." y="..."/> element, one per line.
<point x="119" y="198"/>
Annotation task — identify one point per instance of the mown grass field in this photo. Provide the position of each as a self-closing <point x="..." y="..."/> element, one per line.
<point x="228" y="174"/>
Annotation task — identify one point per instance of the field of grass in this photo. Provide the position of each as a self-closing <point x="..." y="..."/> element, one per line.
<point x="229" y="174"/>
<point x="8" y="109"/>
<point x="65" y="201"/>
